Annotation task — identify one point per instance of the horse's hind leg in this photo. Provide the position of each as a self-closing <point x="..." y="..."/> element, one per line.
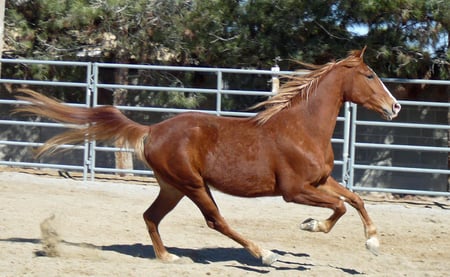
<point x="332" y="187"/>
<point x="166" y="200"/>
<point x="203" y="199"/>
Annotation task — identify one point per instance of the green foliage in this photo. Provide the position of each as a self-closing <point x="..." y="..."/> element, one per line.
<point x="406" y="38"/>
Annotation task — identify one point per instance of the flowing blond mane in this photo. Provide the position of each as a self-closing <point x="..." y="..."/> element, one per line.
<point x="301" y="86"/>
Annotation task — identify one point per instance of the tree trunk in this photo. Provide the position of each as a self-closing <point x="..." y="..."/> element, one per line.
<point x="124" y="160"/>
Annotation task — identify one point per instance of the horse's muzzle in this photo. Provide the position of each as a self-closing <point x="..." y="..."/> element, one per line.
<point x="392" y="113"/>
<point x="396" y="107"/>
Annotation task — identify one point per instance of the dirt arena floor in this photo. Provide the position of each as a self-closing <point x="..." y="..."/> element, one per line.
<point x="51" y="226"/>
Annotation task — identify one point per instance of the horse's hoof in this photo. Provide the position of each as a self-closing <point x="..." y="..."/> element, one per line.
<point x="310" y="224"/>
<point x="268" y="257"/>
<point x="373" y="245"/>
<point x="170" y="258"/>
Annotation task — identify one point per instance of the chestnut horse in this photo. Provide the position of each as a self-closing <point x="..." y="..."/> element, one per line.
<point x="285" y="150"/>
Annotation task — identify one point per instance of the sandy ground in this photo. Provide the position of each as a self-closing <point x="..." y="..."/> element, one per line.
<point x="97" y="230"/>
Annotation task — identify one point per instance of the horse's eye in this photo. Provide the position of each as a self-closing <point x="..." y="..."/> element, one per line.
<point x="370" y="76"/>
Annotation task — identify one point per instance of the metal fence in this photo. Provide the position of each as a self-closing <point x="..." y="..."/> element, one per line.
<point x="86" y="84"/>
<point x="345" y="138"/>
<point x="356" y="145"/>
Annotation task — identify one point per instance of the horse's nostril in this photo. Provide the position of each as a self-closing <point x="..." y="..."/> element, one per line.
<point x="396" y="107"/>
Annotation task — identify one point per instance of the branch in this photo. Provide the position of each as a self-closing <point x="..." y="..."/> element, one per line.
<point x="330" y="34"/>
<point x="221" y="38"/>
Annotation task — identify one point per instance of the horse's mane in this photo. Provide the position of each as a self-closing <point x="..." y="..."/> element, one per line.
<point x="301" y="85"/>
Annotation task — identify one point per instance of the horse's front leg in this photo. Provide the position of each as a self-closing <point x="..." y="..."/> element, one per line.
<point x="312" y="196"/>
<point x="332" y="195"/>
<point x="332" y="187"/>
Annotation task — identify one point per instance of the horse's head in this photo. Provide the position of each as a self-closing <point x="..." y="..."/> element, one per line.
<point x="366" y="89"/>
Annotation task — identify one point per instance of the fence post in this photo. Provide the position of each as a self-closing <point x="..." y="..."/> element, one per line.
<point x="352" y="142"/>
<point x="219" y="93"/>
<point x="346" y="146"/>
<point x="94" y="103"/>
<point x="275" y="79"/>
<point x="89" y="80"/>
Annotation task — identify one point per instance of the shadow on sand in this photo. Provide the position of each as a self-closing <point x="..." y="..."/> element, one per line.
<point x="203" y="256"/>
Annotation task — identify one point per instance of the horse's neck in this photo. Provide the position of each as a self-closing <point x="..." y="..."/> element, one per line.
<point x="319" y="112"/>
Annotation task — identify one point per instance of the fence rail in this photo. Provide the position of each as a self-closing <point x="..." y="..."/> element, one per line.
<point x="347" y="140"/>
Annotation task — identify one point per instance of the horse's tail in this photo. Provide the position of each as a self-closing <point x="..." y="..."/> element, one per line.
<point x="105" y="123"/>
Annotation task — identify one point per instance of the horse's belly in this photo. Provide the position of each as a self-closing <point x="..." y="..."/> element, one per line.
<point x="243" y="183"/>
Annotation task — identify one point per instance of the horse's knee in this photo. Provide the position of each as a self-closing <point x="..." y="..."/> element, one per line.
<point x="216" y="224"/>
<point x="356" y="202"/>
<point x="219" y="225"/>
<point x="340" y="209"/>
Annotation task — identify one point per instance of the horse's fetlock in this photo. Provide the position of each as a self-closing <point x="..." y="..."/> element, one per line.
<point x="211" y="224"/>
<point x="371" y="231"/>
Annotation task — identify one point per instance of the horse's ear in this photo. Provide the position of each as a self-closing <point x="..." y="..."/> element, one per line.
<point x="361" y="54"/>
<point x="358" y="53"/>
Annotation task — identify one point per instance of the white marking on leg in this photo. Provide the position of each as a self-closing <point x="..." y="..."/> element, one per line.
<point x="169" y="258"/>
<point x="372" y="244"/>
<point x="268" y="257"/>
<point x="310" y="224"/>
